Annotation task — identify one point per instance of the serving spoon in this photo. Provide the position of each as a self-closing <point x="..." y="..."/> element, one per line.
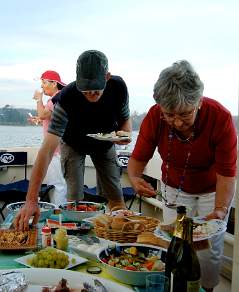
<point x="167" y="204"/>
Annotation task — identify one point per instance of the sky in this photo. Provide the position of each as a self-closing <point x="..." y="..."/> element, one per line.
<point x="139" y="37"/>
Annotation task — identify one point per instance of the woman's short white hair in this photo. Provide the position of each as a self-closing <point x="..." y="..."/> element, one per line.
<point x="178" y="86"/>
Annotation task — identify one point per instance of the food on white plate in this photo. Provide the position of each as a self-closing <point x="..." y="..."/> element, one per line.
<point x="107" y="135"/>
<point x="203" y="229"/>
<point x="49" y="258"/>
<point x="123" y="134"/>
<point x="63" y="286"/>
<point x="200" y="230"/>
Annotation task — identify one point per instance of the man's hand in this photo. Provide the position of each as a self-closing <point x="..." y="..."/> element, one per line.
<point x="142" y="187"/>
<point x="123" y="134"/>
<point x="21" y="221"/>
<point x="123" y="142"/>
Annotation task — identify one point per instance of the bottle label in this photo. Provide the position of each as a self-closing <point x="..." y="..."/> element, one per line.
<point x="46" y="240"/>
<point x="193" y="286"/>
<point x="171" y="283"/>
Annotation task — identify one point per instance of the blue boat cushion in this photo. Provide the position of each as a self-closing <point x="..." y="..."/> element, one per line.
<point x="16" y="191"/>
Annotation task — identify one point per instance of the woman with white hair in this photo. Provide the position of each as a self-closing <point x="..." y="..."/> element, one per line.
<point x="196" y="139"/>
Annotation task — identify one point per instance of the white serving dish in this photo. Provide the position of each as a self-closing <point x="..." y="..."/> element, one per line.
<point x="137" y="278"/>
<point x="77" y="260"/>
<point x="38" y="278"/>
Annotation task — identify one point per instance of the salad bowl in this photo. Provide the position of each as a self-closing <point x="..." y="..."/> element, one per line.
<point x="130" y="263"/>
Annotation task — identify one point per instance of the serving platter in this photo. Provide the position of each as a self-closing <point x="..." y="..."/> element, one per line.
<point x="205" y="229"/>
<point x="108" y="137"/>
<point x="88" y="246"/>
<point x="74" y="260"/>
<point x="38" y="278"/>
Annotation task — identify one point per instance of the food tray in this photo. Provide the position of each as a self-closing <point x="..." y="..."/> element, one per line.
<point x="18" y="240"/>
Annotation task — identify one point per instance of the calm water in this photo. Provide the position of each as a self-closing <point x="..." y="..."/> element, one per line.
<point x="15" y="136"/>
<point x="18" y="136"/>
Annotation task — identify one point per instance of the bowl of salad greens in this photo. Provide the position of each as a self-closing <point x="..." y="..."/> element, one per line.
<point x="130" y="263"/>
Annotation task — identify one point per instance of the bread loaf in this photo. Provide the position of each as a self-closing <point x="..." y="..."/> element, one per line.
<point x="103" y="221"/>
<point x="150" y="238"/>
<point x="118" y="223"/>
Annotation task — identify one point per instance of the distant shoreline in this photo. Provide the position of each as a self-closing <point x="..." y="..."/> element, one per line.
<point x="21" y="125"/>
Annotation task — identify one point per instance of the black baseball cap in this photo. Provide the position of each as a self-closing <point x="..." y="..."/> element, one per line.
<point x="91" y="70"/>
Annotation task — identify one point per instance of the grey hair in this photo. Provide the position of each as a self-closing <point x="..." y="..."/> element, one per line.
<point x="178" y="86"/>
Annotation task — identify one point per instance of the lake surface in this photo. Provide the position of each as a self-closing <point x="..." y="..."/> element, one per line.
<point x="15" y="136"/>
<point x="18" y="136"/>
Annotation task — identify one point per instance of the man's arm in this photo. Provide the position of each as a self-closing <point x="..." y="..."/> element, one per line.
<point x="225" y="190"/>
<point x="41" y="164"/>
<point x="135" y="172"/>
<point x="39" y="170"/>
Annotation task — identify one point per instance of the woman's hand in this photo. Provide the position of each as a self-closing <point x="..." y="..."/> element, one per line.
<point x="216" y="214"/>
<point x="142" y="187"/>
<point x="38" y="95"/>
<point x="34" y="120"/>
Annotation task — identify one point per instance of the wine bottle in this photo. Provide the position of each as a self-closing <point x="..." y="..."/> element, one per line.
<point x="182" y="265"/>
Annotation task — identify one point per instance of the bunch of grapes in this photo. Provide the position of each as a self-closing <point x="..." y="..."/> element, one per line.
<point x="49" y="258"/>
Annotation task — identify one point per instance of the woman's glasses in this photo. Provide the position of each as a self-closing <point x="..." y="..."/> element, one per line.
<point x="185" y="116"/>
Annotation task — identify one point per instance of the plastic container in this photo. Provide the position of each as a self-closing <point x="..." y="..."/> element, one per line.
<point x="46" y="236"/>
<point x="61" y="239"/>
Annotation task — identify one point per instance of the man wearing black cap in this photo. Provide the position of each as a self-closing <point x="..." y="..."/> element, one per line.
<point x="96" y="102"/>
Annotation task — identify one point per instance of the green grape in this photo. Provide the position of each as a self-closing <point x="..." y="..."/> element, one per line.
<point x="41" y="263"/>
<point x="49" y="257"/>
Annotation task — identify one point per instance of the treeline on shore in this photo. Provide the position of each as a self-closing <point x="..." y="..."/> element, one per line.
<point x="18" y="117"/>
